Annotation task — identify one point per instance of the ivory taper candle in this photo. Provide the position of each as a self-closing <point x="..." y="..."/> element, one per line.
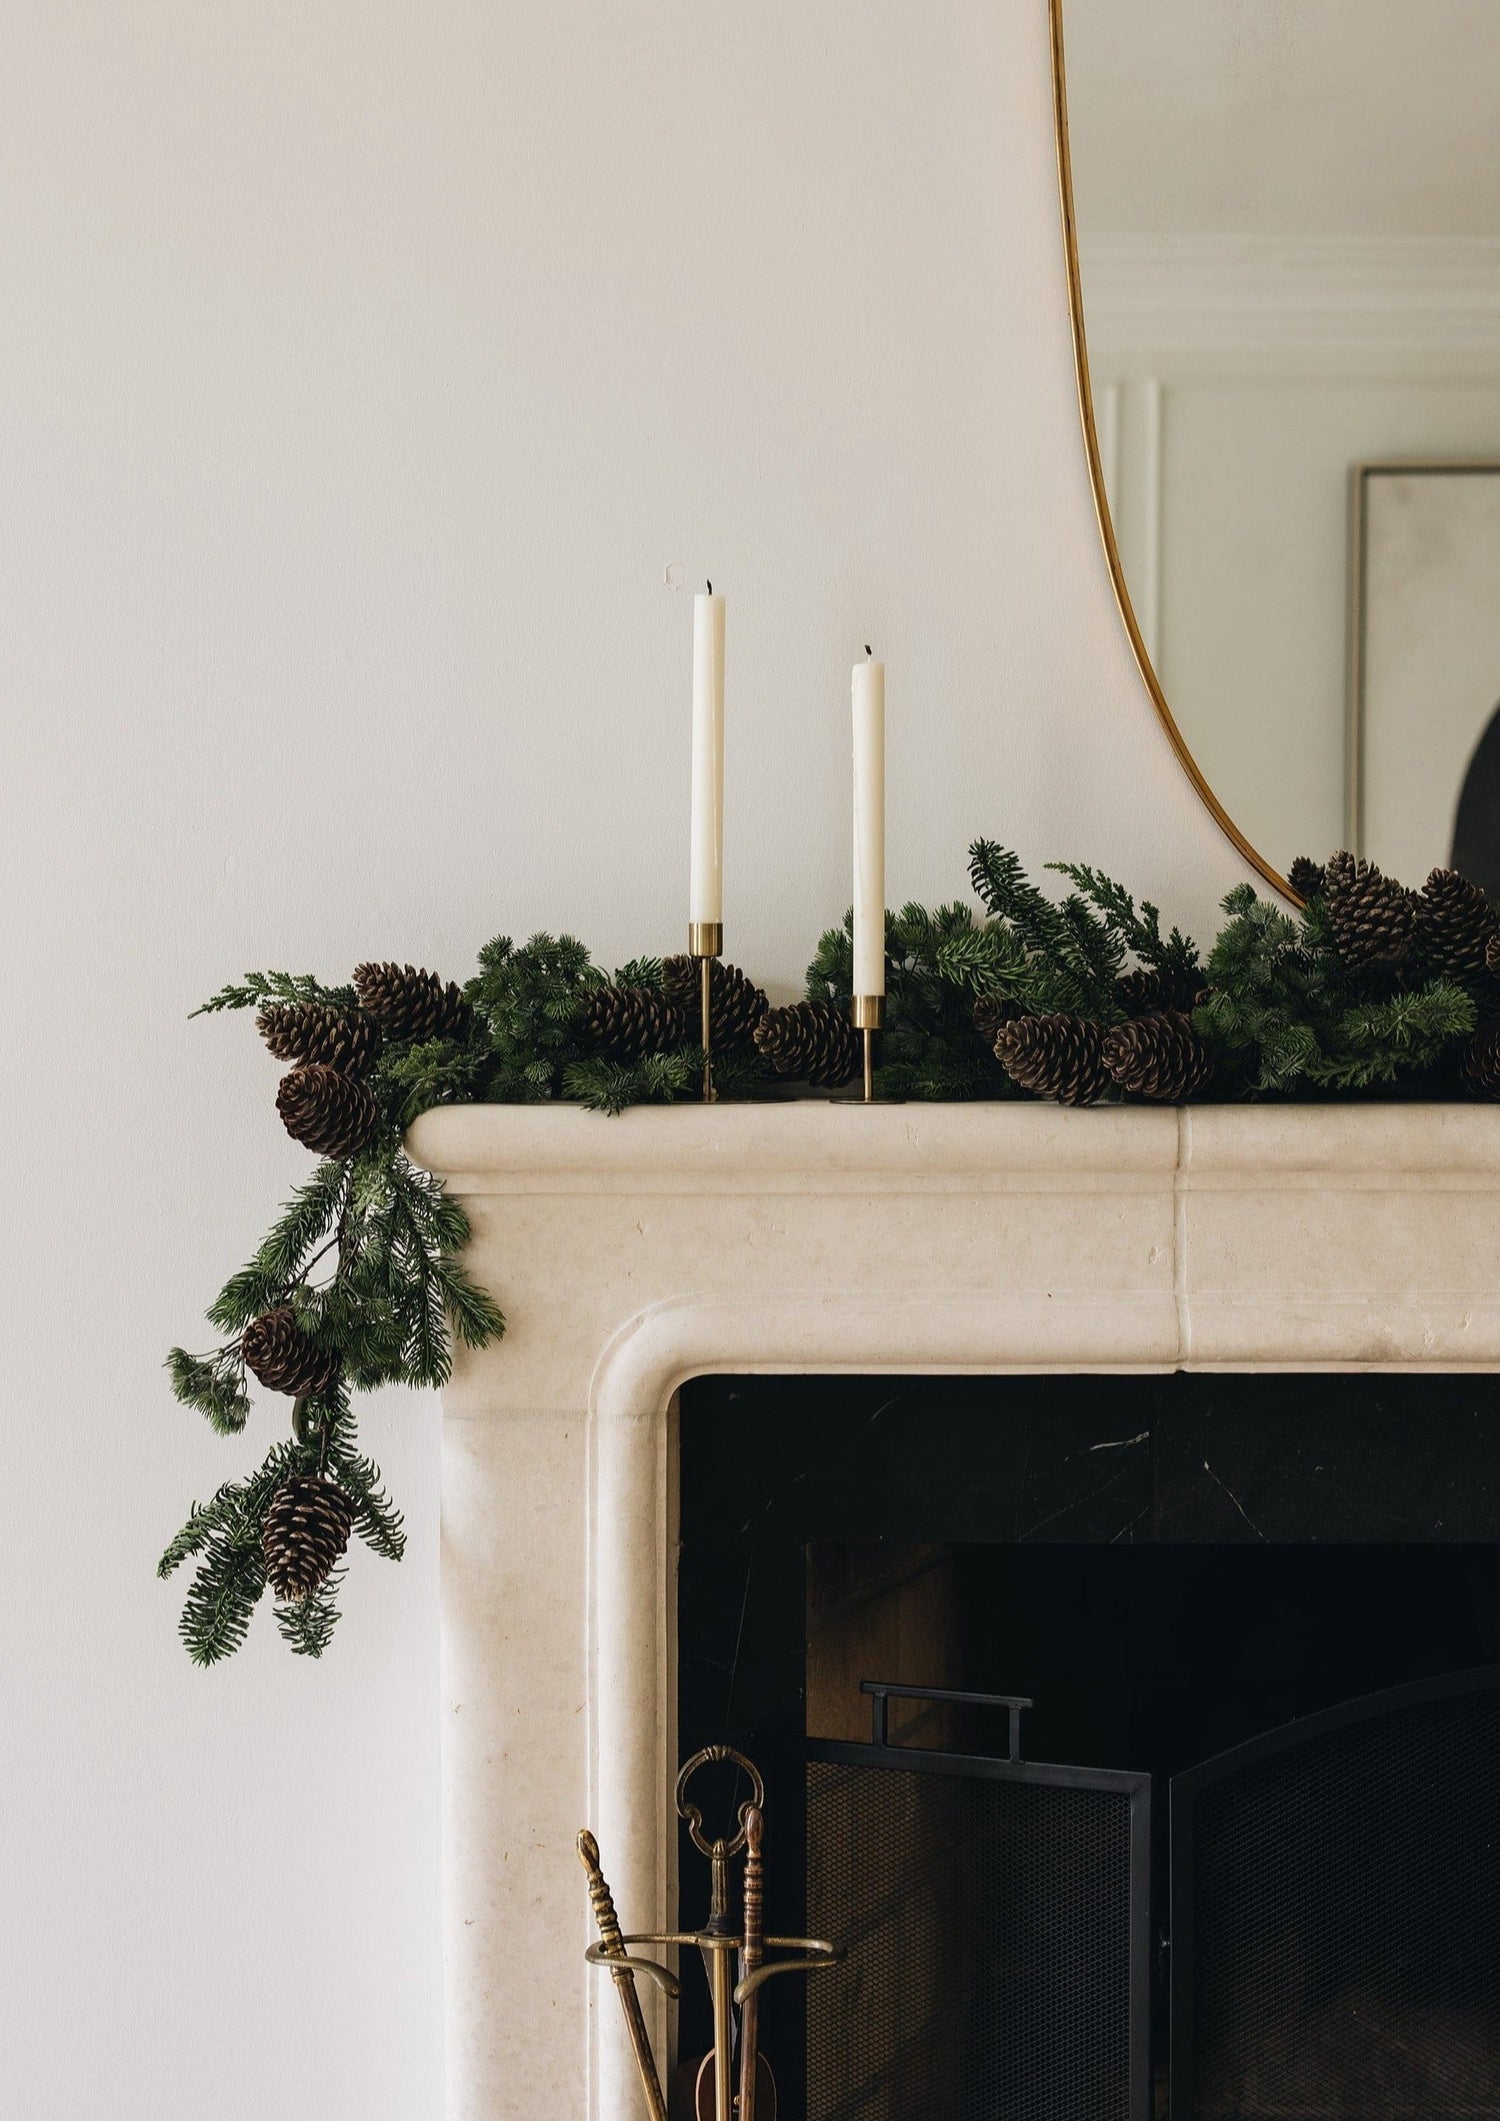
<point x="706" y="840"/>
<point x="868" y="688"/>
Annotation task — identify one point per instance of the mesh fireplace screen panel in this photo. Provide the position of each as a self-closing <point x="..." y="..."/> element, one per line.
<point x="989" y="1932"/>
<point x="1337" y="1924"/>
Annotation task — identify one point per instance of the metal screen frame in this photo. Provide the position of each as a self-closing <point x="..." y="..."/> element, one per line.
<point x="884" y="1752"/>
<point x="1185" y="1790"/>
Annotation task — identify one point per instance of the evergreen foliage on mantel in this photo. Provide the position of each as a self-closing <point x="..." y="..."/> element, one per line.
<point x="1368" y="989"/>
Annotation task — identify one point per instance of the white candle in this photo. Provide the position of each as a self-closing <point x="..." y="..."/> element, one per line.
<point x="706" y="847"/>
<point x="869" y="826"/>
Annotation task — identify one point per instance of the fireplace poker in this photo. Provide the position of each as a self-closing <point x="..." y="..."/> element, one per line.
<point x="752" y="1951"/>
<point x="613" y="1949"/>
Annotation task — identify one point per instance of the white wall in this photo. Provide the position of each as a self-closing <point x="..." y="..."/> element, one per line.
<point x="361" y="369"/>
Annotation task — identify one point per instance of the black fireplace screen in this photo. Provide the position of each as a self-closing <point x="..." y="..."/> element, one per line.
<point x="996" y="1914"/>
<point x="1334" y="1936"/>
<point x="1336" y="1916"/>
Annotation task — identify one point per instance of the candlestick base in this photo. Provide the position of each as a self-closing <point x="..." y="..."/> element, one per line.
<point x="705" y="943"/>
<point x="867" y="1014"/>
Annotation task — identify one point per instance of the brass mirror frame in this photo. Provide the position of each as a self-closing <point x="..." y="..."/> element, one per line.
<point x="1168" y="721"/>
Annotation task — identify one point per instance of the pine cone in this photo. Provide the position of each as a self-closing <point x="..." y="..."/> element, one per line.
<point x="737" y="1003"/>
<point x="1306" y="877"/>
<point x="329" y="1113"/>
<point x="1479" y="1064"/>
<point x="1492" y="957"/>
<point x="345" y="1039"/>
<point x="1160" y="1057"/>
<point x="1147" y="989"/>
<point x="306" y="1530"/>
<point x="411" y="1006"/>
<point x="813" y="1041"/>
<point x="1060" y="1057"/>
<point x="283" y="1357"/>
<point x="990" y="1012"/>
<point x="1455" y="926"/>
<point x="1373" y="918"/>
<point x="623" y="1023"/>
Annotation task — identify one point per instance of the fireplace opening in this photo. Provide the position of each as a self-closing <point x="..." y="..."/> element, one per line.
<point x="1248" y="1861"/>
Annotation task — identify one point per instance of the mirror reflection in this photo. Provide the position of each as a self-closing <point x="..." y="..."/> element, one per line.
<point x="1289" y="240"/>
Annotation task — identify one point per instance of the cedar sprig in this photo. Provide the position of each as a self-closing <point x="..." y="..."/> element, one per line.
<point x="1077" y="954"/>
<point x="1137" y="928"/>
<point x="258" y="987"/>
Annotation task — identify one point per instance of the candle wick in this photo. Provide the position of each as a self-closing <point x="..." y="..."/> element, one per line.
<point x="867" y="648"/>
<point x="710" y="588"/>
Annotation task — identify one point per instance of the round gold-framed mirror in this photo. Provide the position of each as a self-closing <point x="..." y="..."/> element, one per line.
<point x="1282" y="237"/>
<point x="1143" y="656"/>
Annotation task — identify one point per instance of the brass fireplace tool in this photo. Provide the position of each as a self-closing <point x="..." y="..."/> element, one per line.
<point x="721" y="1943"/>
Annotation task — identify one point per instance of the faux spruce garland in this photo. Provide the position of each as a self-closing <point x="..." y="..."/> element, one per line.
<point x="359" y="1283"/>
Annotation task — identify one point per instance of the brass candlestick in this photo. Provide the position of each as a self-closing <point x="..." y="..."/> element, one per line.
<point x="705" y="943"/>
<point x="867" y="1014"/>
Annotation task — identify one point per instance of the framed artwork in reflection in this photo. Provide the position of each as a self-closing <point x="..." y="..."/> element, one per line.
<point x="1423" y="781"/>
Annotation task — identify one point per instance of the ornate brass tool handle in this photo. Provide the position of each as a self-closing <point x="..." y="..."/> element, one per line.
<point x="720" y="1941"/>
<point x="612" y="1953"/>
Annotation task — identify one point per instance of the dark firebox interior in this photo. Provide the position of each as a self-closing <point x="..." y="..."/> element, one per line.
<point x="1168" y="1565"/>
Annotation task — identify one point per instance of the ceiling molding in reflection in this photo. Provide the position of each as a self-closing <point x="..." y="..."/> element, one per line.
<point x="1229" y="293"/>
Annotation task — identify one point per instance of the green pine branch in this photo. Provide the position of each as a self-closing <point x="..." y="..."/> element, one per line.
<point x="213" y="1384"/>
<point x="306" y="1625"/>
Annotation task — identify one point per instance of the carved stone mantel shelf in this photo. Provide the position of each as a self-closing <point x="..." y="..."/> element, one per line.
<point x="632" y="1253"/>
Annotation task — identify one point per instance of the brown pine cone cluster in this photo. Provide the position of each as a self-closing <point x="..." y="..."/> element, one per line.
<point x="1456" y="926"/>
<point x="346" y="1039"/>
<point x="306" y="1529"/>
<point x="812" y="1041"/>
<point x="1373" y="918"/>
<point x="1160" y="1057"/>
<point x="625" y="1023"/>
<point x="1306" y="877"/>
<point x="736" y="1002"/>
<point x="285" y="1358"/>
<point x="1061" y="1057"/>
<point x="330" y="1113"/>
<point x="411" y="1006"/>
<point x="1145" y="989"/>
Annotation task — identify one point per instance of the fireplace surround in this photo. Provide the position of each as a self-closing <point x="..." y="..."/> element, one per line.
<point x="634" y="1254"/>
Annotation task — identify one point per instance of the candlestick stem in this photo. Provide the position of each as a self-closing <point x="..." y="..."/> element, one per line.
<point x="706" y="969"/>
<point x="705" y="943"/>
<point x="867" y="1014"/>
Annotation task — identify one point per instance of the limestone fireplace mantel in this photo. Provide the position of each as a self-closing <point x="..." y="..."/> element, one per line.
<point x="632" y="1253"/>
